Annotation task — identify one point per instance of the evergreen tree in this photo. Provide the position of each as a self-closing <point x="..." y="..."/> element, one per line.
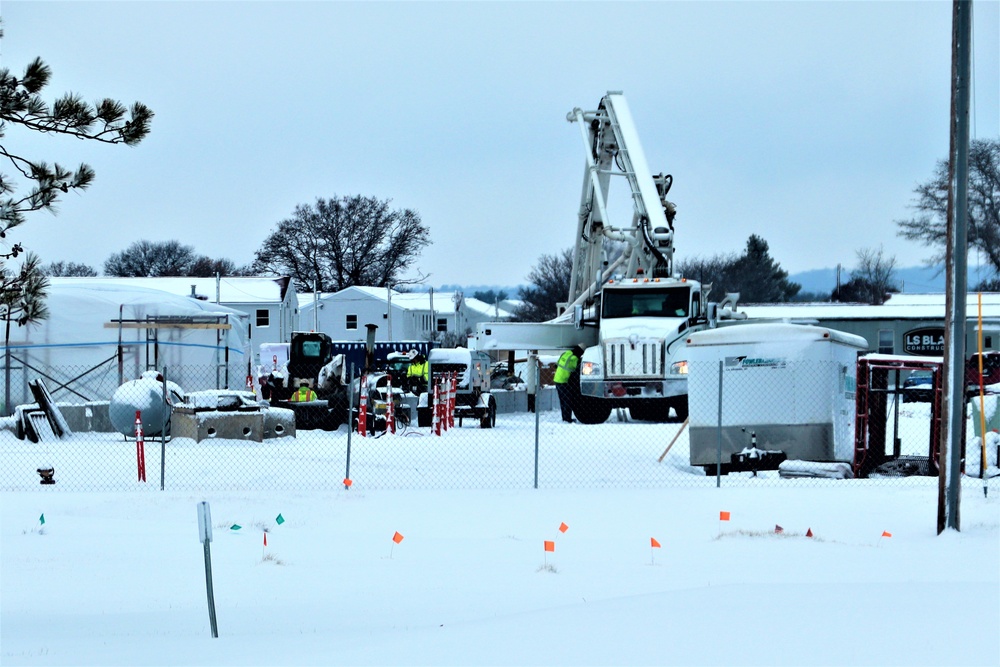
<point x="22" y="107"/>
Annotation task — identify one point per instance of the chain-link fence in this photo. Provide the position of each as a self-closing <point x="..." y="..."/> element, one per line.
<point x="790" y="424"/>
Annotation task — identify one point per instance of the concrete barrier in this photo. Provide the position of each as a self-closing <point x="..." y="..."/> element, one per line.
<point x="88" y="417"/>
<point x="510" y="402"/>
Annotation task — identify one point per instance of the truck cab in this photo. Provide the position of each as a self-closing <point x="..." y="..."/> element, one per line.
<point x="639" y="361"/>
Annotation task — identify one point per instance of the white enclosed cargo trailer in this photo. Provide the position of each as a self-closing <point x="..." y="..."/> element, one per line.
<point x="792" y="385"/>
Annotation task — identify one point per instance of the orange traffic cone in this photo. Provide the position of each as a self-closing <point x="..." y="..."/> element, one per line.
<point x="809" y="532"/>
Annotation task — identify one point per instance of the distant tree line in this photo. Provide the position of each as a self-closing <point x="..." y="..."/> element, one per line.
<point x="754" y="274"/>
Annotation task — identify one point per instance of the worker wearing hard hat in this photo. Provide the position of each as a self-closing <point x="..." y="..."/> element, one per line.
<point x="567" y="381"/>
<point x="417" y="373"/>
<point x="303" y="394"/>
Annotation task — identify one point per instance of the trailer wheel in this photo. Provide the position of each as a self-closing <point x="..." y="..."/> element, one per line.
<point x="651" y="410"/>
<point x="710" y="470"/>
<point x="489" y="418"/>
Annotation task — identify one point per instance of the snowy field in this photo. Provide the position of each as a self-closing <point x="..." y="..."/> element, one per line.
<point x="117" y="577"/>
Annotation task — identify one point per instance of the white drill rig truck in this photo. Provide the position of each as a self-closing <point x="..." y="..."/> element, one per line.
<point x="625" y="306"/>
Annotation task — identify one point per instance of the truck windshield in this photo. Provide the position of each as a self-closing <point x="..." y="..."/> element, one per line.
<point x="311" y="348"/>
<point x="648" y="302"/>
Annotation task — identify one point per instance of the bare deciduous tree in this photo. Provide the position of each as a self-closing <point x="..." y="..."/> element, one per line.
<point x="156" y="259"/>
<point x="873" y="279"/>
<point x="549" y="285"/>
<point x="150" y="258"/>
<point x="342" y="242"/>
<point x="929" y="227"/>
<point x="69" y="269"/>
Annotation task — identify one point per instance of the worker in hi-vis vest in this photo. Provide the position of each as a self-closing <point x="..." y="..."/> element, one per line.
<point x="303" y="394"/>
<point x="416" y="374"/>
<point x="567" y="380"/>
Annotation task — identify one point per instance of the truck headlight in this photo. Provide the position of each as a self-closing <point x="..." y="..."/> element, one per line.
<point x="590" y="368"/>
<point x="679" y="368"/>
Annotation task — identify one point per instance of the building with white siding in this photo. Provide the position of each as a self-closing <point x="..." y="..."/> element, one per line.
<point x="344" y="315"/>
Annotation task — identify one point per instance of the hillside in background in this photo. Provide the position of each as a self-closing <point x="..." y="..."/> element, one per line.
<point x="914" y="279"/>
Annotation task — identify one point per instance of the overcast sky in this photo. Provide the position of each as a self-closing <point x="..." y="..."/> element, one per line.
<point x="807" y="123"/>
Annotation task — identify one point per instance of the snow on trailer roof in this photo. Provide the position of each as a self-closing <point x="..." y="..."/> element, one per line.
<point x="449" y="355"/>
<point x="773" y="332"/>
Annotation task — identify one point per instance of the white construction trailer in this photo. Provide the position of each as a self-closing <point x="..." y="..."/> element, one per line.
<point x="792" y="385"/>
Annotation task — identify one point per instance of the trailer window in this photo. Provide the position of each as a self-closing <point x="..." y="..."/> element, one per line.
<point x="263" y="318"/>
<point x="352" y="321"/>
<point x="665" y="302"/>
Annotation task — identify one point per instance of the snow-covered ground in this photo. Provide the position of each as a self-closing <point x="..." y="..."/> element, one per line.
<point x="118" y="577"/>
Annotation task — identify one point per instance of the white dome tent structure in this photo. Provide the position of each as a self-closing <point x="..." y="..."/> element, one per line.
<point x="98" y="335"/>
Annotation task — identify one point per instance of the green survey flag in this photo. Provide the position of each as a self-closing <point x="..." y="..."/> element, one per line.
<point x="235" y="526"/>
<point x="41" y="519"/>
<point x="279" y="519"/>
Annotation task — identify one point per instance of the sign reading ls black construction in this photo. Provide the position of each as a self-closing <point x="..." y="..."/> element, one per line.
<point x="924" y="342"/>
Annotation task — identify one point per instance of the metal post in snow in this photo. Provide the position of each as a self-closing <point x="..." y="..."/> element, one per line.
<point x="163" y="430"/>
<point x="537" y="374"/>
<point x="205" y="536"/>
<point x="718" y="459"/>
<point x="140" y="447"/>
<point x="350" y="424"/>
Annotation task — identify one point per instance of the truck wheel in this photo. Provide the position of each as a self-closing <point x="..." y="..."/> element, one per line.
<point x="489" y="419"/>
<point x="592" y="411"/>
<point x="424" y="417"/>
<point x="681" y="408"/>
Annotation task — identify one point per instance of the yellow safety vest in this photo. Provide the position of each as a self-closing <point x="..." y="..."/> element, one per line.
<point x="304" y="395"/>
<point x="417" y="370"/>
<point x="565" y="366"/>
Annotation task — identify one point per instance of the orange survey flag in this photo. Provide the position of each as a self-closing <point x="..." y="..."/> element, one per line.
<point x="723" y="516"/>
<point x="550" y="545"/>
<point x="397" y="538"/>
<point x="563" y="527"/>
<point x="886" y="533"/>
<point x="653" y="544"/>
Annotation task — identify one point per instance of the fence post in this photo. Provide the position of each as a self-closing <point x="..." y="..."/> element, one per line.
<point x="350" y="424"/>
<point x="718" y="460"/>
<point x="140" y="447"/>
<point x="163" y="430"/>
<point x="537" y="371"/>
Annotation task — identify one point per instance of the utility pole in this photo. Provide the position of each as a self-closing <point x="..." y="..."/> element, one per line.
<point x="956" y="277"/>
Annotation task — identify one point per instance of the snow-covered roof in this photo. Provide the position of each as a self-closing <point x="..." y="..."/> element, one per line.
<point x="82" y="312"/>
<point x="774" y="332"/>
<point x="410" y="301"/>
<point x="308" y="299"/>
<point x="231" y="289"/>
<point x="898" y="307"/>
